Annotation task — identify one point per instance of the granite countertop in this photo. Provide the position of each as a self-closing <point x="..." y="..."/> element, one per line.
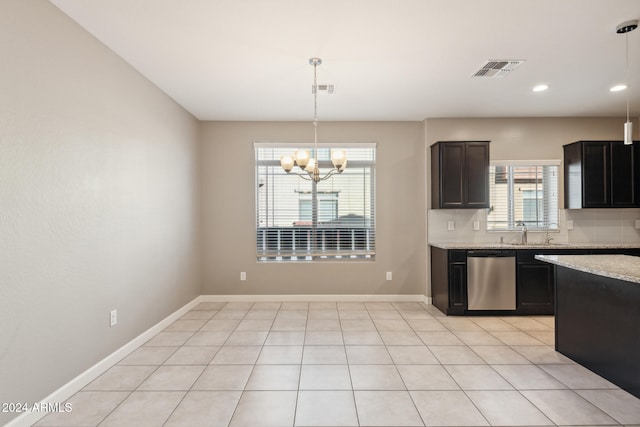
<point x="622" y="267"/>
<point x="498" y="245"/>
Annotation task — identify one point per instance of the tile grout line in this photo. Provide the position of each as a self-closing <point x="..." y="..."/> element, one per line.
<point x="304" y="337"/>
<point x="196" y="380"/>
<point x="131" y="392"/>
<point x="458" y="384"/>
<point x="353" y="392"/>
<point x="424" y="422"/>
<point x="244" y="388"/>
<point x="199" y="376"/>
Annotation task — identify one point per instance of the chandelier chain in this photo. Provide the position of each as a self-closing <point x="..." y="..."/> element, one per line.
<point x="315" y="91"/>
<point x="315" y="111"/>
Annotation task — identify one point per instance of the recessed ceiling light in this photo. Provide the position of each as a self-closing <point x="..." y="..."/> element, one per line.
<point x="618" y="88"/>
<point x="540" y="88"/>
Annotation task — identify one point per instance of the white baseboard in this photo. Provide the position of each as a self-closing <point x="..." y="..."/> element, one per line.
<point x="78" y="383"/>
<point x="315" y="298"/>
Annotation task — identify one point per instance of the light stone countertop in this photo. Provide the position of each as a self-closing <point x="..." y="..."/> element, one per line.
<point x="621" y="267"/>
<point x="559" y="246"/>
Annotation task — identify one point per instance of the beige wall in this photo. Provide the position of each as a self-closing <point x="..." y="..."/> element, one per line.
<point x="229" y="212"/>
<point x="98" y="202"/>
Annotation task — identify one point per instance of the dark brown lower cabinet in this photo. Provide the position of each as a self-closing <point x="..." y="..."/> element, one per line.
<point x="534" y="284"/>
<point x="535" y="280"/>
<point x="458" y="281"/>
<point x="449" y="280"/>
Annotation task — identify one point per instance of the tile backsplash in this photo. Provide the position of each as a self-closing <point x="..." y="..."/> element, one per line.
<point x="604" y="225"/>
<point x="589" y="226"/>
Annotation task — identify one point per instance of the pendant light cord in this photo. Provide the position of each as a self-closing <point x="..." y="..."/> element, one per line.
<point x="627" y="69"/>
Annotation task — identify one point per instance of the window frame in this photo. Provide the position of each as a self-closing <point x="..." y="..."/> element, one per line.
<point x="319" y="230"/>
<point x="507" y="178"/>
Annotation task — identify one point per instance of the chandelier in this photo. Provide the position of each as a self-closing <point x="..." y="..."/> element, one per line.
<point x="308" y="164"/>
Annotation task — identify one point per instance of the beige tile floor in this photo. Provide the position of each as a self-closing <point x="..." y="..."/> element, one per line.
<point x="347" y="364"/>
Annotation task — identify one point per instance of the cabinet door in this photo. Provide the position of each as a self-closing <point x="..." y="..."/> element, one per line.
<point x="622" y="175"/>
<point x="477" y="175"/>
<point x="440" y="278"/>
<point x="572" y="155"/>
<point x="452" y="160"/>
<point x="535" y="288"/>
<point x="457" y="287"/>
<point x="595" y="174"/>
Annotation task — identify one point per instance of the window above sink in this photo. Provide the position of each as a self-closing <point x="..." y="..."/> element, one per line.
<point x="523" y="191"/>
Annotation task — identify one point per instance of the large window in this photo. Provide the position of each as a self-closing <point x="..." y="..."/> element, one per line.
<point x="299" y="220"/>
<point x="523" y="192"/>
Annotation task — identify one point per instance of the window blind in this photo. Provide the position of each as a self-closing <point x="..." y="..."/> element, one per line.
<point x="299" y="220"/>
<point x="523" y="193"/>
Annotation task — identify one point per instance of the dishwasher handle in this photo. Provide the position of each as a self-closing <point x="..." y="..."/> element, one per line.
<point x="498" y="253"/>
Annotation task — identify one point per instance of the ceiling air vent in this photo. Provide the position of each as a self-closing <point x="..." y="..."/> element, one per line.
<point x="497" y="68"/>
<point x="323" y="89"/>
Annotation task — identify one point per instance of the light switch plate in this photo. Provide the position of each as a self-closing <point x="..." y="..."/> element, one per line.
<point x="451" y="225"/>
<point x="476" y="225"/>
<point x="637" y="223"/>
<point x="570" y="224"/>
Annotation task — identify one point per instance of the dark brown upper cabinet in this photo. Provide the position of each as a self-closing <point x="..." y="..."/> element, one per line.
<point x="460" y="175"/>
<point x="601" y="174"/>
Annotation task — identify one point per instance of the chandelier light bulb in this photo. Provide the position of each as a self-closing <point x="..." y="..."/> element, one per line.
<point x="338" y="157"/>
<point x="287" y="163"/>
<point x="311" y="165"/>
<point x="302" y="158"/>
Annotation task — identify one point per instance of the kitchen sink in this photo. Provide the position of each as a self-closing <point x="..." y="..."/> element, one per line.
<point x="534" y="245"/>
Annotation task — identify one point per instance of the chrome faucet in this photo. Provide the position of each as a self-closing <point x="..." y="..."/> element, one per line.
<point x="547" y="239"/>
<point x="523" y="237"/>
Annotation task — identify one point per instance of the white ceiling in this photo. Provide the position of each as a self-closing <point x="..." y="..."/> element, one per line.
<point x="388" y="59"/>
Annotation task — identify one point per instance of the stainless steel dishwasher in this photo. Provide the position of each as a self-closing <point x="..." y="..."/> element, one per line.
<point x="491" y="280"/>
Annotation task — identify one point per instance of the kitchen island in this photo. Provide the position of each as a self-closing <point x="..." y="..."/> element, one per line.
<point x="597" y="308"/>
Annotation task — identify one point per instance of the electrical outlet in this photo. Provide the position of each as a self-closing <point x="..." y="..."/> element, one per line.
<point x="243" y="275"/>
<point x="389" y="275"/>
<point x="451" y="225"/>
<point x="476" y="225"/>
<point x="113" y="318"/>
<point x="570" y="224"/>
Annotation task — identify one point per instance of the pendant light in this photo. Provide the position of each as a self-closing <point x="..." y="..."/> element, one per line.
<point x="625" y="28"/>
